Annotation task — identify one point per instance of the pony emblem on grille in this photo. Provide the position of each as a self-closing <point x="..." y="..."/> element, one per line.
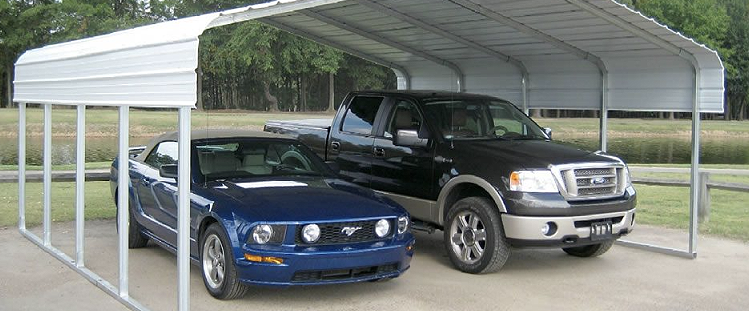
<point x="349" y="230"/>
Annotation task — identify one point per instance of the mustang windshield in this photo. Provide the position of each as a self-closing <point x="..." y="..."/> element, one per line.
<point x="461" y="119"/>
<point x="228" y="158"/>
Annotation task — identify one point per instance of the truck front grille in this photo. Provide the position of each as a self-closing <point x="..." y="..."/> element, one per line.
<point x="591" y="183"/>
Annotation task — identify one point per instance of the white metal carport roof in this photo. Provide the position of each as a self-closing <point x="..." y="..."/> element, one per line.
<point x="565" y="49"/>
<point x="560" y="54"/>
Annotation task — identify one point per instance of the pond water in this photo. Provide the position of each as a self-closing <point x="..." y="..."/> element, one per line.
<point x="632" y="150"/>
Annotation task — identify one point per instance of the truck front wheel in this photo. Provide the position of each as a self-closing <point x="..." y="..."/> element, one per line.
<point x="474" y="237"/>
<point x="589" y="250"/>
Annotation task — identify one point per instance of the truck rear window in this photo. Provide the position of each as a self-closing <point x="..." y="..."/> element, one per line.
<point x="361" y="115"/>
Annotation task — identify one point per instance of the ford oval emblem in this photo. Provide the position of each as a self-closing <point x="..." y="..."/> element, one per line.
<point x="598" y="181"/>
<point x="349" y="230"/>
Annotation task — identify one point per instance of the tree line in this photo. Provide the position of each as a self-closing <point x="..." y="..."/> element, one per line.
<point x="277" y="71"/>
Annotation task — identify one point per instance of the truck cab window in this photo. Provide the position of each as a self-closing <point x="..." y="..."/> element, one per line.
<point x="361" y="113"/>
<point x="405" y="116"/>
<point x="164" y="153"/>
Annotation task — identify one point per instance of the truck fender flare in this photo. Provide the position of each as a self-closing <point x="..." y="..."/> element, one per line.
<point x="470" y="179"/>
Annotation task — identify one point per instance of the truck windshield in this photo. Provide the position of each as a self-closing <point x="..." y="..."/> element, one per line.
<point x="461" y="119"/>
<point x="228" y="158"/>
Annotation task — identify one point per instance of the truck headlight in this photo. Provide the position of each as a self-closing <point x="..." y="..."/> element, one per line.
<point x="533" y="181"/>
<point x="382" y="228"/>
<point x="261" y="234"/>
<point x="403" y="223"/>
<point x="311" y="233"/>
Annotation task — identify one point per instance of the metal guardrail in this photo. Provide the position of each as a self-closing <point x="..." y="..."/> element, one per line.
<point x="705" y="185"/>
<point x="66" y="176"/>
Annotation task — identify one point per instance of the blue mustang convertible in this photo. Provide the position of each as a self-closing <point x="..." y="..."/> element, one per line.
<point x="265" y="210"/>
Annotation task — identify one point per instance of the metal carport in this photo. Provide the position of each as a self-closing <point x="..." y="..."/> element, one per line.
<point x="555" y="54"/>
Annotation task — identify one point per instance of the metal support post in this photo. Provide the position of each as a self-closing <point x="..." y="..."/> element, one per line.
<point x="21" y="167"/>
<point x="183" y="213"/>
<point x="604" y="119"/>
<point x="694" y="189"/>
<point x="123" y="192"/>
<point x="47" y="173"/>
<point x="80" y="179"/>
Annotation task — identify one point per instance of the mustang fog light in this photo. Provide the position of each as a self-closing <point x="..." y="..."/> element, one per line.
<point x="311" y="233"/>
<point x="402" y="224"/>
<point x="382" y="228"/>
<point x="262" y="234"/>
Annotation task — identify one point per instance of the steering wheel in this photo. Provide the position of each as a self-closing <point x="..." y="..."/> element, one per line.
<point x="499" y="127"/>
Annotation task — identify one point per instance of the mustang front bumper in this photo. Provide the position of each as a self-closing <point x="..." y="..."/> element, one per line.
<point x="329" y="264"/>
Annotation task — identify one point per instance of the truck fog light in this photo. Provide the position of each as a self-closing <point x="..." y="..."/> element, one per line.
<point x="549" y="228"/>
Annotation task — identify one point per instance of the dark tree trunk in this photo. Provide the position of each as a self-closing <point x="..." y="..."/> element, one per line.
<point x="199" y="104"/>
<point x="269" y="97"/>
<point x="9" y="85"/>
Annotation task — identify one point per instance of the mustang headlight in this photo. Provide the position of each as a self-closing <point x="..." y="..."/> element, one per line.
<point x="403" y="223"/>
<point x="311" y="233"/>
<point x="262" y="234"/>
<point x="382" y="228"/>
<point x="533" y="181"/>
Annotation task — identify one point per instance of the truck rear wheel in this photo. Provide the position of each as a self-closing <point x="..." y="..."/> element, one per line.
<point x="474" y="238"/>
<point x="589" y="250"/>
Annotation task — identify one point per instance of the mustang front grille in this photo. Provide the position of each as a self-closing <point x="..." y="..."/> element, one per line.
<point x="345" y="232"/>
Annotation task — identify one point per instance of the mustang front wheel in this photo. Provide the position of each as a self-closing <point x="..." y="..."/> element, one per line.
<point x="219" y="271"/>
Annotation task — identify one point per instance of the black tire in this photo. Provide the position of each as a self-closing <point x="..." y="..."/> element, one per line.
<point x="228" y="287"/>
<point x="589" y="250"/>
<point x="135" y="238"/>
<point x="491" y="246"/>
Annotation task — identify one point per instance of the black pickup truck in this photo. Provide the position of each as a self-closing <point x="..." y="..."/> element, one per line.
<point x="477" y="168"/>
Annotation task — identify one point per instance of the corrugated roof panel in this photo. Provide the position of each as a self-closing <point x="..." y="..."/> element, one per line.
<point x="556" y="41"/>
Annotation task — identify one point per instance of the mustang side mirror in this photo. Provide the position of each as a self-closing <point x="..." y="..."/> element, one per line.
<point x="547" y="131"/>
<point x="168" y="171"/>
<point x="333" y="165"/>
<point x="409" y="138"/>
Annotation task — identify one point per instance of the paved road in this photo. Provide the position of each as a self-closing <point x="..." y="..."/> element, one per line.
<point x="623" y="279"/>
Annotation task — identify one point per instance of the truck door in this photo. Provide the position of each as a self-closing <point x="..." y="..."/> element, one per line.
<point x="401" y="170"/>
<point x="352" y="137"/>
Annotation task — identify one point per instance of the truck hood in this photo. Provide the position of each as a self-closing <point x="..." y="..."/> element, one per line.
<point x="528" y="154"/>
<point x="301" y="199"/>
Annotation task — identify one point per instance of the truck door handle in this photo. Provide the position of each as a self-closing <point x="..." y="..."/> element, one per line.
<point x="145" y="181"/>
<point x="335" y="145"/>
<point x="378" y="152"/>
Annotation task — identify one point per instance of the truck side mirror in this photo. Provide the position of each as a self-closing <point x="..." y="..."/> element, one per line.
<point x="168" y="171"/>
<point x="409" y="138"/>
<point x="547" y="131"/>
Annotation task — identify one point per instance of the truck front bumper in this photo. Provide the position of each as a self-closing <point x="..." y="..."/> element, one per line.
<point x="570" y="231"/>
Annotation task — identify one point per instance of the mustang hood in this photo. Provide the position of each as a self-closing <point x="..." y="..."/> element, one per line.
<point x="301" y="200"/>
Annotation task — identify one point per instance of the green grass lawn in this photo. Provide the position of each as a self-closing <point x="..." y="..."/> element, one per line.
<point x="99" y="202"/>
<point x="101" y="122"/>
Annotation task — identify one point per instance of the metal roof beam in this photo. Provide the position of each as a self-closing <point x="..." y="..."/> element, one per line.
<point x="261" y="10"/>
<point x="637" y="31"/>
<point x="399" y="70"/>
<point x="383" y="40"/>
<point x="477" y="8"/>
<point x="493" y="15"/>
<point x="448" y="35"/>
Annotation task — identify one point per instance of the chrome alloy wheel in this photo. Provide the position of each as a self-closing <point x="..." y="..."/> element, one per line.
<point x="214" y="262"/>
<point x="468" y="237"/>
